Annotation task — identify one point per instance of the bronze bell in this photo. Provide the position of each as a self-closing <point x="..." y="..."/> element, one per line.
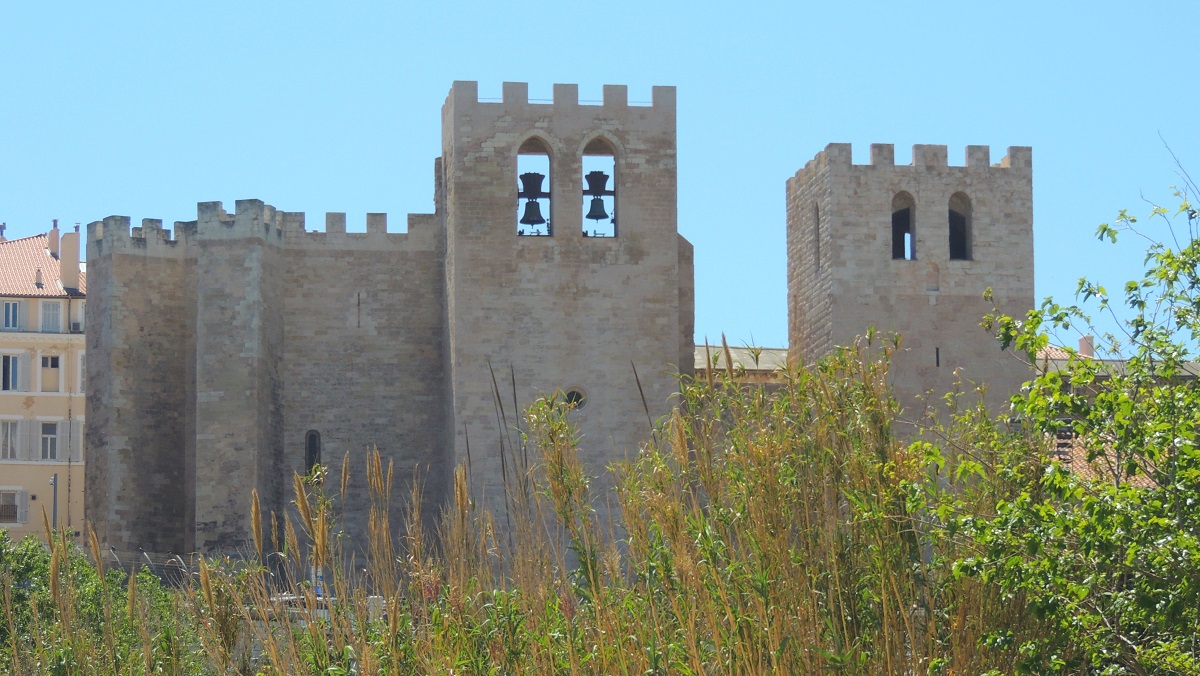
<point x="531" y="185"/>
<point x="597" y="212"/>
<point x="533" y="212"/>
<point x="597" y="182"/>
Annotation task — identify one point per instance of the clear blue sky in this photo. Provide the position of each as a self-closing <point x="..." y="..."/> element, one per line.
<point x="146" y="109"/>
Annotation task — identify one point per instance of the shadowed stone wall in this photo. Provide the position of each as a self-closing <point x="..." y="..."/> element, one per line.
<point x="139" y="322"/>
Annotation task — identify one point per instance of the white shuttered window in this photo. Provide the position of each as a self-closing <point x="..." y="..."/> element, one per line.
<point x="51" y="316"/>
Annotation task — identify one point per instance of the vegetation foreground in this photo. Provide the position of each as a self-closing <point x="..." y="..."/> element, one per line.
<point x="790" y="529"/>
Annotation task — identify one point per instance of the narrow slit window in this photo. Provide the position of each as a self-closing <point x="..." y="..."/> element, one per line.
<point x="599" y="190"/>
<point x="533" y="189"/>
<point x="960" y="227"/>
<point x="816" y="233"/>
<point x="312" y="450"/>
<point x="904" y="236"/>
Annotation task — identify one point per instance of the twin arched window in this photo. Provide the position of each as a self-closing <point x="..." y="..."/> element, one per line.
<point x="535" y="195"/>
<point x="904" y="237"/>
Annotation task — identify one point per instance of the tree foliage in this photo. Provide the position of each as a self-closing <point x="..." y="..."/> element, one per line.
<point x="1112" y="563"/>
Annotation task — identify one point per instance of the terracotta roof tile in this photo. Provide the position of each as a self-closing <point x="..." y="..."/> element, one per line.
<point x="19" y="263"/>
<point x="1069" y="451"/>
<point x="1053" y="352"/>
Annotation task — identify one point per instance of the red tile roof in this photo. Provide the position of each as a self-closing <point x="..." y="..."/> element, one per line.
<point x="1053" y="352"/>
<point x="1069" y="451"/>
<point x="19" y="263"/>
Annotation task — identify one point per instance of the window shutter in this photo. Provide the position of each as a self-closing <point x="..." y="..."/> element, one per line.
<point x="20" y="440"/>
<point x="23" y="315"/>
<point x="76" y="441"/>
<point x="31" y="448"/>
<point x="24" y="371"/>
<point x="22" y="506"/>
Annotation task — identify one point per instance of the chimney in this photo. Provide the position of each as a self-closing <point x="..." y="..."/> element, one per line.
<point x="68" y="260"/>
<point x="52" y="239"/>
<point x="37" y="278"/>
<point x="1087" y="346"/>
<point x="3" y="226"/>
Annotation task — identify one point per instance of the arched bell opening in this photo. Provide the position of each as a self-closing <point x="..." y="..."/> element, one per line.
<point x="904" y="235"/>
<point x="599" y="189"/>
<point x="960" y="227"/>
<point x="533" y="189"/>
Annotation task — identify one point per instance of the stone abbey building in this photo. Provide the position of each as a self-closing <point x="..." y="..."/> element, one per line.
<point x="228" y="352"/>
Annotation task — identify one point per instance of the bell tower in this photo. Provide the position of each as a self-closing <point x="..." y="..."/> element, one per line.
<point x="911" y="249"/>
<point x="544" y="293"/>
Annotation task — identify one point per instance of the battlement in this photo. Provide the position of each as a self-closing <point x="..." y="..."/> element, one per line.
<point x="114" y="234"/>
<point x="465" y="93"/>
<point x="977" y="158"/>
<point x="423" y="233"/>
<point x="254" y="218"/>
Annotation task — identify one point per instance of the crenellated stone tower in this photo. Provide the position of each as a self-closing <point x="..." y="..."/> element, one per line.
<point x="243" y="347"/>
<point x="911" y="249"/>
<point x="567" y="312"/>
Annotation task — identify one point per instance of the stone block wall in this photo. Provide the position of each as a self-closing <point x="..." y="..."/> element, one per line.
<point x="363" y="357"/>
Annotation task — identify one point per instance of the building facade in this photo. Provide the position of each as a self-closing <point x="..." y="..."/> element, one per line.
<point x="911" y="249"/>
<point x="231" y="351"/>
<point x="42" y="369"/>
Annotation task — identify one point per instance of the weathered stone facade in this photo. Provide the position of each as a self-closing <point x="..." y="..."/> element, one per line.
<point x="222" y="356"/>
<point x="217" y="352"/>
<point x="847" y="272"/>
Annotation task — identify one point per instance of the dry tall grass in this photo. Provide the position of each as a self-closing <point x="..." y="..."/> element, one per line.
<point x="786" y="530"/>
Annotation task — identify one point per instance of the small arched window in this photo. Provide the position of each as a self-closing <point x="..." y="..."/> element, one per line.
<point x="599" y="199"/>
<point x="960" y="227"/>
<point x="312" y="450"/>
<point x="904" y="236"/>
<point x="533" y="189"/>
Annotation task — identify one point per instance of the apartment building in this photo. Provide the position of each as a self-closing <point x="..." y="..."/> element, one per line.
<point x="41" y="383"/>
